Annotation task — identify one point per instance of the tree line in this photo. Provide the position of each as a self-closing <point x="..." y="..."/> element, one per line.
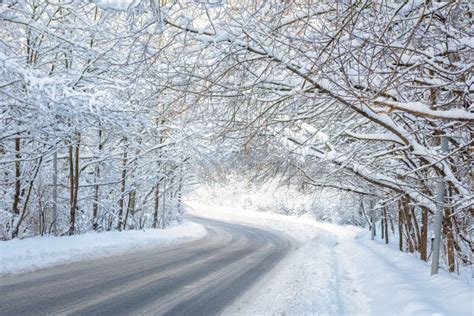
<point x="90" y="138"/>
<point x="107" y="110"/>
<point x="368" y="97"/>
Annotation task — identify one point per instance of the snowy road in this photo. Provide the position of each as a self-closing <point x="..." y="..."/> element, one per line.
<point x="196" y="278"/>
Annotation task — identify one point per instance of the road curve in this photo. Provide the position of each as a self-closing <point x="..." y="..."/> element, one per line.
<point x="196" y="278"/>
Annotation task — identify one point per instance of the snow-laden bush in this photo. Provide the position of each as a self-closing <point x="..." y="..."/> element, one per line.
<point x="271" y="196"/>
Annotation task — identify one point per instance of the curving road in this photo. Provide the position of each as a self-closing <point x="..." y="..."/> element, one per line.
<point x="196" y="278"/>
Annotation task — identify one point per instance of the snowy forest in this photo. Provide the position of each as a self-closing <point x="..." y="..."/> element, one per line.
<point x="112" y="112"/>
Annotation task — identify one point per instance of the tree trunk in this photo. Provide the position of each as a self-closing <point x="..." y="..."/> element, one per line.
<point x="163" y="213"/>
<point x="440" y="205"/>
<point x="408" y="223"/>
<point x="156" y="206"/>
<point x="95" y="205"/>
<point x="122" y="190"/>
<point x="24" y="212"/>
<point x="74" y="182"/>
<point x="448" y="233"/>
<point x="416" y="232"/>
<point x="130" y="207"/>
<point x="409" y="230"/>
<point x="382" y="227"/>
<point x="72" y="211"/>
<point x="386" y="224"/>
<point x="424" y="234"/>
<point x="180" y="188"/>
<point x="400" y="226"/>
<point x="16" y="196"/>
<point x="55" y="192"/>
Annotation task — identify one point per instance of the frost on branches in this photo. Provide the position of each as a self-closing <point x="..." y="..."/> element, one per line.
<point x="109" y="109"/>
<point x="90" y="133"/>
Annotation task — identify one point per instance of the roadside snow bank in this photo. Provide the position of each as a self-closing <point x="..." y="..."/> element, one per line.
<point x="34" y="253"/>
<point x="308" y="282"/>
<point x="397" y="283"/>
<point x="338" y="270"/>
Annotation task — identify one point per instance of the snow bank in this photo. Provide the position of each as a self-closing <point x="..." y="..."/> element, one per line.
<point x="40" y="252"/>
<point x="339" y="270"/>
<point x="308" y="282"/>
<point x="401" y="284"/>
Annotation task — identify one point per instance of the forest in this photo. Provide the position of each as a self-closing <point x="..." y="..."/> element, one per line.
<point x="112" y="112"/>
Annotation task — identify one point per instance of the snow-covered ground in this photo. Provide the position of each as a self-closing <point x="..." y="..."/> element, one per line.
<point x="41" y="252"/>
<point x="339" y="270"/>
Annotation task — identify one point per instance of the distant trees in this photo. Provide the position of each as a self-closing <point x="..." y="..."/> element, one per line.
<point x="369" y="90"/>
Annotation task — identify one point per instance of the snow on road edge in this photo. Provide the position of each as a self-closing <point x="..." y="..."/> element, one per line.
<point x="301" y="228"/>
<point x="308" y="281"/>
<point x="17" y="256"/>
<point x="338" y="270"/>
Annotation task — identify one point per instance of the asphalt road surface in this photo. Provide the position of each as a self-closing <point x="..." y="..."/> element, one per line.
<point x="197" y="278"/>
